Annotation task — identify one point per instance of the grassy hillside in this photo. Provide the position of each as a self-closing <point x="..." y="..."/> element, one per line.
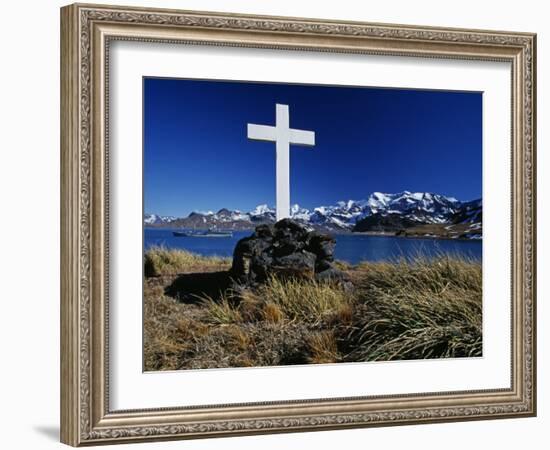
<point x="194" y="317"/>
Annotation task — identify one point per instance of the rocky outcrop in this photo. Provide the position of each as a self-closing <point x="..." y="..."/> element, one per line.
<point x="384" y="223"/>
<point x="285" y="249"/>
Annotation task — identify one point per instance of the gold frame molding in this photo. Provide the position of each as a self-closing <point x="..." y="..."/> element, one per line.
<point x="86" y="31"/>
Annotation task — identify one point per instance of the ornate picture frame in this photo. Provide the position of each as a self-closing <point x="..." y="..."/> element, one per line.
<point x="87" y="31"/>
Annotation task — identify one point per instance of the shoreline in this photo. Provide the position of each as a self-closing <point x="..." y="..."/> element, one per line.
<point x="343" y="233"/>
<point x="387" y="234"/>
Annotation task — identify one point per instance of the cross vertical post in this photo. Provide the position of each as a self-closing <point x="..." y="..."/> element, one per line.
<point x="283" y="136"/>
<point x="282" y="170"/>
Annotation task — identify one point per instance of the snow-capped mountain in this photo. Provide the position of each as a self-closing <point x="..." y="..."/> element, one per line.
<point x="470" y="212"/>
<point x="261" y="210"/>
<point x="225" y="215"/>
<point x="421" y="207"/>
<point x="153" y="219"/>
<point x="422" y="214"/>
<point x="401" y="210"/>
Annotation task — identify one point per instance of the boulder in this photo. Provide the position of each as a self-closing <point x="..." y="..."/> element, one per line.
<point x="286" y="249"/>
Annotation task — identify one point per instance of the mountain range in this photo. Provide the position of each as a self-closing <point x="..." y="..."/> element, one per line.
<point x="405" y="213"/>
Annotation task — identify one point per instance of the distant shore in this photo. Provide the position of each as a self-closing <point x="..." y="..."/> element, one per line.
<point x="414" y="233"/>
<point x="409" y="236"/>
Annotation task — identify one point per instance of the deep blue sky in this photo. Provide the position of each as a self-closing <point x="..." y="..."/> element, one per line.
<point x="197" y="155"/>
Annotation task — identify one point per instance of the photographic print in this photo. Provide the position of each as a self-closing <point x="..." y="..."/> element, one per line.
<point x="294" y="224"/>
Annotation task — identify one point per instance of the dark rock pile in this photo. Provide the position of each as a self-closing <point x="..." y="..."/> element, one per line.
<point x="285" y="249"/>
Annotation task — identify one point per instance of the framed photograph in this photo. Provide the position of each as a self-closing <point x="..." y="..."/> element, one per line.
<point x="277" y="224"/>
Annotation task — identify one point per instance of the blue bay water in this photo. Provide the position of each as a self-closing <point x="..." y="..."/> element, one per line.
<point x="352" y="248"/>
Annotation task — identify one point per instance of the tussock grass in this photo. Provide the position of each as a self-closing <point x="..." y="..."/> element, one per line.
<point x="422" y="274"/>
<point x="417" y="309"/>
<point x="279" y="300"/>
<point x="169" y="330"/>
<point x="221" y="311"/>
<point x="323" y="347"/>
<point x="303" y="300"/>
<point x="403" y="309"/>
<point x="160" y="261"/>
<point x="272" y="312"/>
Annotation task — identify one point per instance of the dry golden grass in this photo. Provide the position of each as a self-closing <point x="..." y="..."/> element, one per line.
<point x="272" y="313"/>
<point x="161" y="261"/>
<point x="251" y="306"/>
<point x="395" y="310"/>
<point x="239" y="338"/>
<point x="343" y="315"/>
<point x="304" y="300"/>
<point x="323" y="348"/>
<point x="221" y="311"/>
<point x="418" y="309"/>
<point x="169" y="330"/>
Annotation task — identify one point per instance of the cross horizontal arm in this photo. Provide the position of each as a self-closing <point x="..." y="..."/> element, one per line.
<point x="302" y="137"/>
<point x="261" y="132"/>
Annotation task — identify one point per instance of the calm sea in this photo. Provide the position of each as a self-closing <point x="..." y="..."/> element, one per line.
<point x="349" y="247"/>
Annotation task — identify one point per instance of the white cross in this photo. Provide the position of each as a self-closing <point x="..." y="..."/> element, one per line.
<point x="283" y="136"/>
